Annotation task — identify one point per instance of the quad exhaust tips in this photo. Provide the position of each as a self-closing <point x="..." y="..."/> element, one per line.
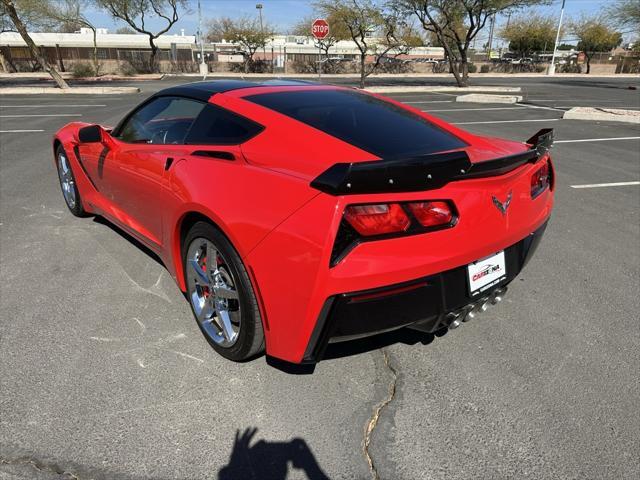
<point x="471" y="311"/>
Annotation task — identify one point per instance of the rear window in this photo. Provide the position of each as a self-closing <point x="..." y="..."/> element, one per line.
<point x="379" y="127"/>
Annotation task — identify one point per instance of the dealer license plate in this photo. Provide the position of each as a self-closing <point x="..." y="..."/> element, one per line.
<point x="486" y="273"/>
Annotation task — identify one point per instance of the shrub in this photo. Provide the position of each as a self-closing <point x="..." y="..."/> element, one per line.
<point x="81" y="70"/>
<point x="473" y="68"/>
<point x="127" y="69"/>
<point x="570" y="68"/>
<point x="485" y="68"/>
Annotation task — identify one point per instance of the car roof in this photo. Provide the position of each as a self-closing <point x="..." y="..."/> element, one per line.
<point x="204" y="90"/>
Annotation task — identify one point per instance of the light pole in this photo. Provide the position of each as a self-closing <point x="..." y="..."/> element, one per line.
<point x="204" y="68"/>
<point x="264" y="46"/>
<point x="552" y="67"/>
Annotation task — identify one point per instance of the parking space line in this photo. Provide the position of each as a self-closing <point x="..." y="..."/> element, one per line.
<point x="430" y="101"/>
<point x="44" y="115"/>
<point x="540" y="107"/>
<point x="476" y="109"/>
<point x="52" y="105"/>
<point x="610" y="139"/>
<point x="20" y="131"/>
<point x="598" y="185"/>
<point x="509" y="121"/>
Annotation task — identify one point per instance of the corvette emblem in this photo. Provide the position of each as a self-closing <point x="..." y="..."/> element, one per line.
<point x="502" y="206"/>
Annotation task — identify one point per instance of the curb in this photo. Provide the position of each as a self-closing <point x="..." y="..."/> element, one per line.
<point x="402" y="89"/>
<point x="602" y="114"/>
<point x="67" y="91"/>
<point x="482" y="98"/>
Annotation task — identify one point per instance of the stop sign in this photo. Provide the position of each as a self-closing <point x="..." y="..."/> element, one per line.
<point x="320" y="28"/>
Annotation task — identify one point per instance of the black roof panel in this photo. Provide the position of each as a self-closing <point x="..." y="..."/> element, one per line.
<point x="204" y="90"/>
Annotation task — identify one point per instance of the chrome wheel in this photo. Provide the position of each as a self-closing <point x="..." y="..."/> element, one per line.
<point x="213" y="293"/>
<point x="67" y="181"/>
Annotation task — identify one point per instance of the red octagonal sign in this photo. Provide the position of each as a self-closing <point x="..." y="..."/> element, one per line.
<point x="320" y="28"/>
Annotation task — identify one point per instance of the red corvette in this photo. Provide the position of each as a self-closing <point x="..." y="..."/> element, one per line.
<point x="293" y="214"/>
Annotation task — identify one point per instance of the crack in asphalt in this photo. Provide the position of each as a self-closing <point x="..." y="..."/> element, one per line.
<point x="373" y="421"/>
<point x="42" y="467"/>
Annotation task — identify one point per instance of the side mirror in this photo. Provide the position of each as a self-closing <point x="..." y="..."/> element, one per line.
<point x="90" y="134"/>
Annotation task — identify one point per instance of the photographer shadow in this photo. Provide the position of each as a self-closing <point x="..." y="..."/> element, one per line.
<point x="269" y="460"/>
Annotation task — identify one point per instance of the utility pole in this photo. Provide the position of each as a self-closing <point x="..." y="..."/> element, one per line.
<point x="264" y="45"/>
<point x="493" y="23"/>
<point x="204" y="68"/>
<point x="552" y="67"/>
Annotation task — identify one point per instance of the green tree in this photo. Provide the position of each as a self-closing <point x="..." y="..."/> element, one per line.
<point x="456" y="23"/>
<point x="72" y="13"/>
<point x="593" y="36"/>
<point x="137" y="13"/>
<point x="530" y="33"/>
<point x="18" y="15"/>
<point x="245" y="31"/>
<point x="376" y="31"/>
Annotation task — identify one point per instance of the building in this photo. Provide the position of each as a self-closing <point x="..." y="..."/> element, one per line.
<point x="176" y="52"/>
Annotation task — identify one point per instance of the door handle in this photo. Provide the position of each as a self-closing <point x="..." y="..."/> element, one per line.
<point x="214" y="154"/>
<point x="168" y="163"/>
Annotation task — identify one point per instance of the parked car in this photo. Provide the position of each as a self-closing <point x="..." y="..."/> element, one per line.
<point x="293" y="214"/>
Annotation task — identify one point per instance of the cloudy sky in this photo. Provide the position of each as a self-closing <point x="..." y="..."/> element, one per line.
<point x="285" y="13"/>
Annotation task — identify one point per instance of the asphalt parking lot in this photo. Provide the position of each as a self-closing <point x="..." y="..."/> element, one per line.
<point x="104" y="373"/>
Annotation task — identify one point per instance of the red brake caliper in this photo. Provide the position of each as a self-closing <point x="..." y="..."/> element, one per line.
<point x="205" y="289"/>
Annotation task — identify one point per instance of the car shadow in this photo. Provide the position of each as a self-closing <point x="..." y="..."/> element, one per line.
<point x="131" y="239"/>
<point x="269" y="460"/>
<point x="360" y="346"/>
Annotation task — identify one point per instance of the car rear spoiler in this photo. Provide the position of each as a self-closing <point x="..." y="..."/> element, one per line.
<point x="426" y="172"/>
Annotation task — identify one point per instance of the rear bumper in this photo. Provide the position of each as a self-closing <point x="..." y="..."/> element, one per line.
<point x="424" y="303"/>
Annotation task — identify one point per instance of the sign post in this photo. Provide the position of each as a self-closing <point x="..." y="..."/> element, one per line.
<point x="320" y="30"/>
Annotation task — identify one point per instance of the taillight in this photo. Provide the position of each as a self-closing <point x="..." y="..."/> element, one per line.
<point x="540" y="179"/>
<point x="432" y="214"/>
<point x="362" y="223"/>
<point x="378" y="219"/>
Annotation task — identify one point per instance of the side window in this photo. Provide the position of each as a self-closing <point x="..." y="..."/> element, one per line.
<point x="165" y="120"/>
<point x="216" y="126"/>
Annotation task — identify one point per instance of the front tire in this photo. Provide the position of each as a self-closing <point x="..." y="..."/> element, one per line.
<point x="68" y="183"/>
<point x="220" y="294"/>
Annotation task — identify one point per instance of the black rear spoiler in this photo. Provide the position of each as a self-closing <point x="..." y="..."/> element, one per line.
<point x="426" y="172"/>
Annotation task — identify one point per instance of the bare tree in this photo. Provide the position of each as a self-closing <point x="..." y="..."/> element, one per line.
<point x="71" y="13"/>
<point x="245" y="31"/>
<point x="376" y="31"/>
<point x="16" y="11"/>
<point x="456" y="23"/>
<point x="137" y="13"/>
<point x="627" y="14"/>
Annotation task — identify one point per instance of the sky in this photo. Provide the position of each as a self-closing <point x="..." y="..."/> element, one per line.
<point x="284" y="14"/>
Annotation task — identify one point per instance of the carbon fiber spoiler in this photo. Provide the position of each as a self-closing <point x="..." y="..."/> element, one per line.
<point x="426" y="172"/>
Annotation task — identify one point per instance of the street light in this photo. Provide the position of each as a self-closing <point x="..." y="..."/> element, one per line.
<point x="264" y="47"/>
<point x="552" y="67"/>
<point x="204" y="68"/>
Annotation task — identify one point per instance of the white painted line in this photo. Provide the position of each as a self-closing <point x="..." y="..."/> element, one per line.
<point x="475" y="109"/>
<point x="540" y="107"/>
<point x="430" y="101"/>
<point x="509" y="121"/>
<point x="598" y="185"/>
<point x="20" y="131"/>
<point x="610" y="139"/>
<point x="44" y="115"/>
<point x="596" y="106"/>
<point x="50" y="105"/>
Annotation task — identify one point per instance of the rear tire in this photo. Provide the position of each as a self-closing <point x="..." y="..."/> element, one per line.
<point x="68" y="185"/>
<point x="220" y="294"/>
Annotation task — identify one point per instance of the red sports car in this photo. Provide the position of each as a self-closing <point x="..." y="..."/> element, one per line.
<point x="294" y="214"/>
